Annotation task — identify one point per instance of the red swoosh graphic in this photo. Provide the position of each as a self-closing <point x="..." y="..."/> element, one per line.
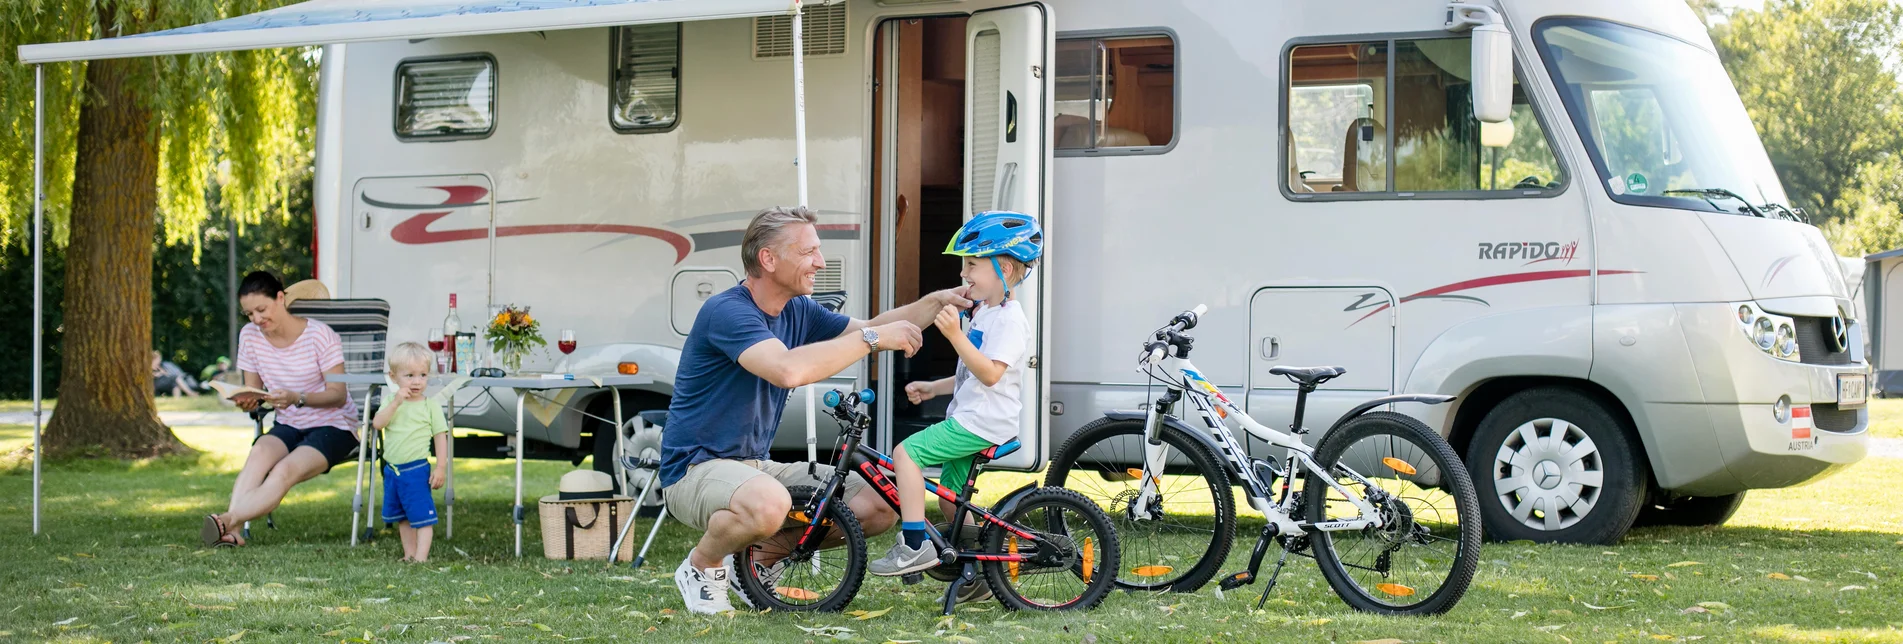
<point x="1496" y="280"/>
<point x="415" y="230"/>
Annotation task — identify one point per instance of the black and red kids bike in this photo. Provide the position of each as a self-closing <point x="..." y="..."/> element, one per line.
<point x="1039" y="549"/>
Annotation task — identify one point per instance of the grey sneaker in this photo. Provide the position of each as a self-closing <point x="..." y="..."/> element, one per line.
<point x="976" y="591"/>
<point x="901" y="560"/>
<point x="769" y="576"/>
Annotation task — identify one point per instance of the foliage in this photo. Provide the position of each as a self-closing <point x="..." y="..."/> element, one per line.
<point x="1820" y="80"/>
<point x="251" y="112"/>
<point x="1873" y="208"/>
<point x="513" y="333"/>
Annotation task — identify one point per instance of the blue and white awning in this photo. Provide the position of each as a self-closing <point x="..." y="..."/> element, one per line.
<point x="326" y="22"/>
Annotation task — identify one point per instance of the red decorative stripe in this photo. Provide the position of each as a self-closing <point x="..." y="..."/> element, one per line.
<point x="415" y="230"/>
<point x="1496" y="280"/>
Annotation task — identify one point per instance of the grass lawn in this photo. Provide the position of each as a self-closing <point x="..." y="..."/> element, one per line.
<point x="164" y="403"/>
<point x="120" y="562"/>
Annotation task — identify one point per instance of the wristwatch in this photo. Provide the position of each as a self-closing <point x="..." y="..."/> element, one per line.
<point x="871" y="337"/>
<point x="300" y="399"/>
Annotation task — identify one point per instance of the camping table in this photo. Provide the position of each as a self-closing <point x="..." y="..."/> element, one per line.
<point x="523" y="386"/>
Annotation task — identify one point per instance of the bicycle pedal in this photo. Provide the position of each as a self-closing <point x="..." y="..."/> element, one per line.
<point x="912" y="578"/>
<point x="1237" y="580"/>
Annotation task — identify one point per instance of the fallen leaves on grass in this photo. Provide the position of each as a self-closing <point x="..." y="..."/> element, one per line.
<point x="1641" y="577"/>
<point x="830" y="632"/>
<point x="1605" y="607"/>
<point x="216" y="607"/>
<point x="477" y="599"/>
<point x="1317" y="622"/>
<point x="66" y="622"/>
<point x="1683" y="564"/>
<point x="1778" y="575"/>
<point x="228" y="639"/>
<point x="865" y="615"/>
<point x="1850" y="588"/>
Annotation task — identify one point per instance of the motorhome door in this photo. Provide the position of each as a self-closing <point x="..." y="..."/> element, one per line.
<point x="1007" y="158"/>
<point x="432" y="233"/>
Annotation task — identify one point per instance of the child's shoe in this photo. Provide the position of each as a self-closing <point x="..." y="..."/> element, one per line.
<point x="901" y="560"/>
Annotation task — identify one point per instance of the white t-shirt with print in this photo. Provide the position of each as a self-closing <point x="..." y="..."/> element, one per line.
<point x="1003" y="334"/>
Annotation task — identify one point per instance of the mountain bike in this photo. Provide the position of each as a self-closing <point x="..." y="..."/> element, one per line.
<point x="1385" y="507"/>
<point x="1039" y="549"/>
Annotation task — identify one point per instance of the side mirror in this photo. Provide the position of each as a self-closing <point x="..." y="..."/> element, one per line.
<point x="1492" y="74"/>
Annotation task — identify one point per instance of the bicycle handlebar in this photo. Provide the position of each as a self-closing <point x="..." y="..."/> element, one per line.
<point x="1171" y="334"/>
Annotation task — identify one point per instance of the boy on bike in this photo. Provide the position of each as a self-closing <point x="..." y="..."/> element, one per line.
<point x="999" y="248"/>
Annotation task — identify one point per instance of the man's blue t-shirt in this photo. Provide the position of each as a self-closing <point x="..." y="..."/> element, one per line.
<point x="721" y="410"/>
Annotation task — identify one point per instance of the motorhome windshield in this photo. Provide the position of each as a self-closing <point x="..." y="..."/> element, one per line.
<point x="1663" y="124"/>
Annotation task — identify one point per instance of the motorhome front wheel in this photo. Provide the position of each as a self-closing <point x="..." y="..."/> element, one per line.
<point x="1553" y="465"/>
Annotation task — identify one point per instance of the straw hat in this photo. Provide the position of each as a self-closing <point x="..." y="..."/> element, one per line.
<point x="583" y="486"/>
<point x="305" y="290"/>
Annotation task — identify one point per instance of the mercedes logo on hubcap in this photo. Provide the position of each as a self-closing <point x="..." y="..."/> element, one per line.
<point x="1546" y="475"/>
<point x="1839" y="334"/>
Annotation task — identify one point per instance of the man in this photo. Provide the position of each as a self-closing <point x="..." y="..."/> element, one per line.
<point x="750" y="346"/>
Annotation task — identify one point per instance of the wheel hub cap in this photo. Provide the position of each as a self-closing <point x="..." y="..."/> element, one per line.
<point x="1547" y="474"/>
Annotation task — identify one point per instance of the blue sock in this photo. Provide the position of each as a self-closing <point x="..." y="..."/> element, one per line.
<point x="914" y="533"/>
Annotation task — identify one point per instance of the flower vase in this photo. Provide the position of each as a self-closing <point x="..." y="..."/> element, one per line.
<point x="511" y="358"/>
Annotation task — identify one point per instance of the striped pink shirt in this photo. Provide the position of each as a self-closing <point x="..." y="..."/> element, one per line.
<point x="299" y="367"/>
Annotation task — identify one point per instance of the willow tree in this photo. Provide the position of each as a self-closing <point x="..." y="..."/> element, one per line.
<point x="131" y="148"/>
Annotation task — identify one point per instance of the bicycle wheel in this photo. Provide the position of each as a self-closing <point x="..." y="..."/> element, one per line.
<point x="776" y="574"/>
<point x="1421" y="560"/>
<point x="1066" y="565"/>
<point x="1194" y="525"/>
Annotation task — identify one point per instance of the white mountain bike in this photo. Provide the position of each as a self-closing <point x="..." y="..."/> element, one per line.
<point x="1385" y="506"/>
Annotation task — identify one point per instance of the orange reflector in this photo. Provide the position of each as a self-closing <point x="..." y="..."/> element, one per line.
<point x="1135" y="473"/>
<point x="1090" y="556"/>
<point x="1152" y="571"/>
<point x="800" y="517"/>
<point x="1398" y="465"/>
<point x="628" y="369"/>
<point x="1396" y="590"/>
<point x="1011" y="546"/>
<point x="801" y="594"/>
<point x="1223" y="413"/>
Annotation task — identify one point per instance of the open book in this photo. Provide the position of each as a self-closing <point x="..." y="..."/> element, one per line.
<point x="237" y="393"/>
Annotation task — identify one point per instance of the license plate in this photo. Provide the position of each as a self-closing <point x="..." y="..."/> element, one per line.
<point x="1852" y="389"/>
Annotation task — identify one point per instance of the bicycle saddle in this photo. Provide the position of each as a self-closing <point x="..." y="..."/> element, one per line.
<point x="1309" y="375"/>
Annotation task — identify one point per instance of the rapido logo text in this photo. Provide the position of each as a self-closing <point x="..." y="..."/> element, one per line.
<point x="1530" y="252"/>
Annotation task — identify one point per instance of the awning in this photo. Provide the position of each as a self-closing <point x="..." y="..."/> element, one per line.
<point x="325" y="22"/>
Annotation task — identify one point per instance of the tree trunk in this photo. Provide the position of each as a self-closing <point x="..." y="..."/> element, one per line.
<point x="105" y="395"/>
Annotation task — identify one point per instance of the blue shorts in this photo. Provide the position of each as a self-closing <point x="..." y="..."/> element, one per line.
<point x="406" y="494"/>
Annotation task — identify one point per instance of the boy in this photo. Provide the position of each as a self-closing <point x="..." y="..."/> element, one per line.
<point x="408" y="421"/>
<point x="999" y="250"/>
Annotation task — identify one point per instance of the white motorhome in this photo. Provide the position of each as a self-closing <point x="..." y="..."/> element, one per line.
<point x="1312" y="171"/>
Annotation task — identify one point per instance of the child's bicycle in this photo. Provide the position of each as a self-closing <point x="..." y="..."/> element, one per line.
<point x="1386" y="508"/>
<point x="1041" y="549"/>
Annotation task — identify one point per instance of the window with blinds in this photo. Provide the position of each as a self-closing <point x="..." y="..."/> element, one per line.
<point x="647" y="78"/>
<point x="446" y="98"/>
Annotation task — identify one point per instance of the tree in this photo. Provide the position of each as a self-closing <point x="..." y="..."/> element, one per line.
<point x="1819" y="79"/>
<point x="148" y="133"/>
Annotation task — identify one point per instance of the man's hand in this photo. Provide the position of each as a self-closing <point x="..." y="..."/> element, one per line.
<point x="947" y="322"/>
<point x="900" y="336"/>
<point x="953" y="297"/>
<point x="919" y="392"/>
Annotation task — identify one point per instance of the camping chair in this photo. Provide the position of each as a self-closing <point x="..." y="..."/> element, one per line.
<point x="364" y="327"/>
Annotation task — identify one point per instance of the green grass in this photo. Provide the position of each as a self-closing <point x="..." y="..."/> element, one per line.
<point x="1886" y="417"/>
<point x="119" y="559"/>
<point x="164" y="403"/>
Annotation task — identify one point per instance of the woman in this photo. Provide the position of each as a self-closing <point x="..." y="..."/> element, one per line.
<point x="287" y="356"/>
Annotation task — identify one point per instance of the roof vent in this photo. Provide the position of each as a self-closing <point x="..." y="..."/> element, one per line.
<point x="823" y="28"/>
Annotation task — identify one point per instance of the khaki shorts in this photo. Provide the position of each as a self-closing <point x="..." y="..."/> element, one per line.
<point x="708" y="486"/>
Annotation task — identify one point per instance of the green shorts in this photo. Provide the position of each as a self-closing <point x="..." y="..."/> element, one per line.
<point x="948" y="445"/>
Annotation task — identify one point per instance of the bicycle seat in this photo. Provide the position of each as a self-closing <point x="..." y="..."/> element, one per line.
<point x="1310" y="376"/>
<point x="997" y="451"/>
<point x="655" y="417"/>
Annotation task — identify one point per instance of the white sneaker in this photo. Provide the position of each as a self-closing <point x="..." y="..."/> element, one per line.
<point x="769" y="577"/>
<point x="703" y="590"/>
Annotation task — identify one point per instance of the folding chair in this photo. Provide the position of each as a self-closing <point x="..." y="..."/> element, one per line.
<point x="364" y="327"/>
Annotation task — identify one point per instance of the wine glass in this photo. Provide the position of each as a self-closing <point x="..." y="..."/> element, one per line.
<point x="567" y="343"/>
<point x="436" y="344"/>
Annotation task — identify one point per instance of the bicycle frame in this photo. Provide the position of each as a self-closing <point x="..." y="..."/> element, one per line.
<point x="1212" y="407"/>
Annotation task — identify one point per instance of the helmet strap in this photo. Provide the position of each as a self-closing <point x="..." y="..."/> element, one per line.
<point x="1008" y="285"/>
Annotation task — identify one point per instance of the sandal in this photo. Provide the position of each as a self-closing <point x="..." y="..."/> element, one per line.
<point x="213" y="533"/>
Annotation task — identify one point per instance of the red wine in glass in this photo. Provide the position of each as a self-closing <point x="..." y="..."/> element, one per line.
<point x="435" y="338"/>
<point x="567" y="343"/>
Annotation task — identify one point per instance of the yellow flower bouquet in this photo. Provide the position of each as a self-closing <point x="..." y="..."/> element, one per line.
<point x="512" y="334"/>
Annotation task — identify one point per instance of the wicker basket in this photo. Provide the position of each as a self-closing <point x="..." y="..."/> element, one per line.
<point x="584" y="529"/>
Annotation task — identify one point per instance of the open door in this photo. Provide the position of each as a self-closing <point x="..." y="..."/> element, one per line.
<point x="1007" y="158"/>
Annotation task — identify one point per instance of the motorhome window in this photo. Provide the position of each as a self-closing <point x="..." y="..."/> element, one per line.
<point x="1657" y="114"/>
<point x="446" y="98"/>
<point x="647" y="78"/>
<point x="1360" y="110"/>
<point x="1335" y="136"/>
<point x="1115" y="94"/>
<point x="1438" y="143"/>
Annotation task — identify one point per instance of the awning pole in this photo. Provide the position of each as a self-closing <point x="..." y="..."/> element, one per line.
<point x="39" y="233"/>
<point x="799" y="166"/>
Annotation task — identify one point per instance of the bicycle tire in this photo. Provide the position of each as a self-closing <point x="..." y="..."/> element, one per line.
<point x="1451" y="479"/>
<point x="1140" y="540"/>
<point x="854" y="564"/>
<point x="1004" y="581"/>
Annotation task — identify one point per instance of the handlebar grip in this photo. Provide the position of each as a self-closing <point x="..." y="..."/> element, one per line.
<point x="1199" y="310"/>
<point x="1155" y="352"/>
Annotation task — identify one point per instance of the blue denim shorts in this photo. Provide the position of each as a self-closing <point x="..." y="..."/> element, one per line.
<point x="406" y="494"/>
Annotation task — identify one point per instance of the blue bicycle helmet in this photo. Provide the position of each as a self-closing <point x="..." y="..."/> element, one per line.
<point x="999" y="232"/>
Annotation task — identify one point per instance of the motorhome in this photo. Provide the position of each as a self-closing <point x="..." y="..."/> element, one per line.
<point x="1600" y="270"/>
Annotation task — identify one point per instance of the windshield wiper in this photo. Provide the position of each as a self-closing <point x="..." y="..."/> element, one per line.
<point x="1787" y="212"/>
<point x="1708" y="193"/>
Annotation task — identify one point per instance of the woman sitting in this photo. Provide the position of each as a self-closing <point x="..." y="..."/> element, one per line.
<point x="287" y="356"/>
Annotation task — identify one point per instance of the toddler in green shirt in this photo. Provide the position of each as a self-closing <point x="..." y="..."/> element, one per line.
<point x="409" y="421"/>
